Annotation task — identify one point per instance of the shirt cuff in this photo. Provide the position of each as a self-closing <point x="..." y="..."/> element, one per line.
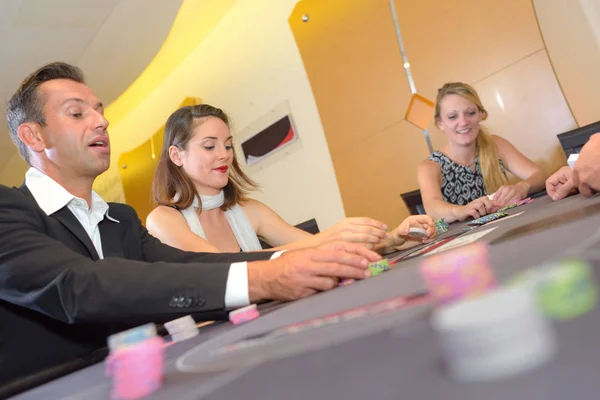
<point x="236" y="289"/>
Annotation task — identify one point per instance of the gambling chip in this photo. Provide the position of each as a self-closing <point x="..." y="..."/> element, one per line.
<point x="379" y="267"/>
<point x="565" y="289"/>
<point x="441" y="226"/>
<point x="496" y="335"/>
<point x="376" y="268"/>
<point x="244" y="314"/>
<point x="182" y="328"/>
<point x="136" y="362"/>
<point x="457" y="273"/>
<point x="346" y="282"/>
<point x="417" y="232"/>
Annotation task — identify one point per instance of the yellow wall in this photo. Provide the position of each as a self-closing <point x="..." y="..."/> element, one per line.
<point x="194" y="22"/>
<point x="137" y="168"/>
<point x="353" y="61"/>
<point x="571" y="31"/>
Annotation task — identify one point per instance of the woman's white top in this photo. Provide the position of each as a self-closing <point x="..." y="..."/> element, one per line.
<point x="236" y="217"/>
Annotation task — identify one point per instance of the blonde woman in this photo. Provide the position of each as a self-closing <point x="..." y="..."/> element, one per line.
<point x="456" y="181"/>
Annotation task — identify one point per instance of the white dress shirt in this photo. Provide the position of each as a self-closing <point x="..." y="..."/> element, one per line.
<point x="51" y="197"/>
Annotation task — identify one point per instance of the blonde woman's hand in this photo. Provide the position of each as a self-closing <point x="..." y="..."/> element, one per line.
<point x="476" y="209"/>
<point x="510" y="193"/>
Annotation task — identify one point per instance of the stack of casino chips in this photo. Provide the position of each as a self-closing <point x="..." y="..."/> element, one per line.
<point x="496" y="335"/>
<point x="564" y="289"/>
<point x="488" y="332"/>
<point x="454" y="274"/>
<point x="379" y="267"/>
<point x="441" y="225"/>
<point x="376" y="268"/>
<point x="135" y="363"/>
<point x="182" y="328"/>
<point x="244" y="314"/>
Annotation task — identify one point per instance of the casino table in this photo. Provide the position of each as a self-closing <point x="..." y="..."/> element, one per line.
<point x="388" y="352"/>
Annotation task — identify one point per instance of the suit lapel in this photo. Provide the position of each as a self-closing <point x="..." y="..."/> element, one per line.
<point x="66" y="217"/>
<point x="112" y="242"/>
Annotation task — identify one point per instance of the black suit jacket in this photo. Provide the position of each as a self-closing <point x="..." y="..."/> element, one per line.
<point x="59" y="301"/>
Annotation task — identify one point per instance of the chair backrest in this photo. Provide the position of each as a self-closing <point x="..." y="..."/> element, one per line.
<point x="413" y="202"/>
<point x="309" y="226"/>
<point x="573" y="141"/>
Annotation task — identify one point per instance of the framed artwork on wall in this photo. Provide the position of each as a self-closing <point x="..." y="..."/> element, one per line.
<point x="270" y="139"/>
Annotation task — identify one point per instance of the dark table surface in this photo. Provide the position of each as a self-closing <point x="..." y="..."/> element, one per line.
<point x="383" y="355"/>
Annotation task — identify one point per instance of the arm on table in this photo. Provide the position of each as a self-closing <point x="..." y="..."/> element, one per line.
<point x="277" y="232"/>
<point x="429" y="177"/>
<point x="532" y="177"/>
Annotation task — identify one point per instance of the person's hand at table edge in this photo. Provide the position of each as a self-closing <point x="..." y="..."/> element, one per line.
<point x="301" y="273"/>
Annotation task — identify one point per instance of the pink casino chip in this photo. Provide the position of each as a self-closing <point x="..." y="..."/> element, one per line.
<point x="458" y="273"/>
<point x="136" y="371"/>
<point x="244" y="314"/>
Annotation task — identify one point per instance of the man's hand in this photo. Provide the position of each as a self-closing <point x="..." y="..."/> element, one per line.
<point x="586" y="172"/>
<point x="560" y="183"/>
<point x="300" y="273"/>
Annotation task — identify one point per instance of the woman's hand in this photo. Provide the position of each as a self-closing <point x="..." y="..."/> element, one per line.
<point x="511" y="193"/>
<point x="366" y="231"/>
<point x="476" y="209"/>
<point x="399" y="236"/>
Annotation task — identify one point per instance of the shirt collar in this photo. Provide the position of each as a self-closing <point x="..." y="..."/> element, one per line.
<point x="51" y="196"/>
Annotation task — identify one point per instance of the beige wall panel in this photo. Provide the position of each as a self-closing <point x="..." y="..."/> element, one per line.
<point x="526" y="107"/>
<point x="575" y="54"/>
<point x="385" y="165"/>
<point x="465" y="40"/>
<point x="354" y="65"/>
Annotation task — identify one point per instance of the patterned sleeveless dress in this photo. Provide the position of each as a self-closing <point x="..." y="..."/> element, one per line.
<point x="460" y="185"/>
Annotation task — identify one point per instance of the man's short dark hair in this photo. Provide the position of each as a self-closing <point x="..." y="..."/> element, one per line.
<point x="26" y="105"/>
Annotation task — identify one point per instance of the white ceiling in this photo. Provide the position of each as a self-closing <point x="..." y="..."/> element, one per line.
<point x="111" y="40"/>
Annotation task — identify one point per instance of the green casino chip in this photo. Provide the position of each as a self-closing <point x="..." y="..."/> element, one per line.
<point x="379" y="267"/>
<point x="565" y="290"/>
<point x="441" y="226"/>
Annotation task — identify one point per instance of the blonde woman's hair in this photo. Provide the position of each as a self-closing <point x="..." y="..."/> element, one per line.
<point x="493" y="177"/>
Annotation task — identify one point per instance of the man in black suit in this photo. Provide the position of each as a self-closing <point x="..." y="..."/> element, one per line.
<point x="74" y="269"/>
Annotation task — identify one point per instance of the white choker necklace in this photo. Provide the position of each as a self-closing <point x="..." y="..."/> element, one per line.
<point x="211" y="202"/>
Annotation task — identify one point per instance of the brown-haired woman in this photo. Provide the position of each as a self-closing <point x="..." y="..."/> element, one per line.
<point x="467" y="178"/>
<point x="203" y="197"/>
